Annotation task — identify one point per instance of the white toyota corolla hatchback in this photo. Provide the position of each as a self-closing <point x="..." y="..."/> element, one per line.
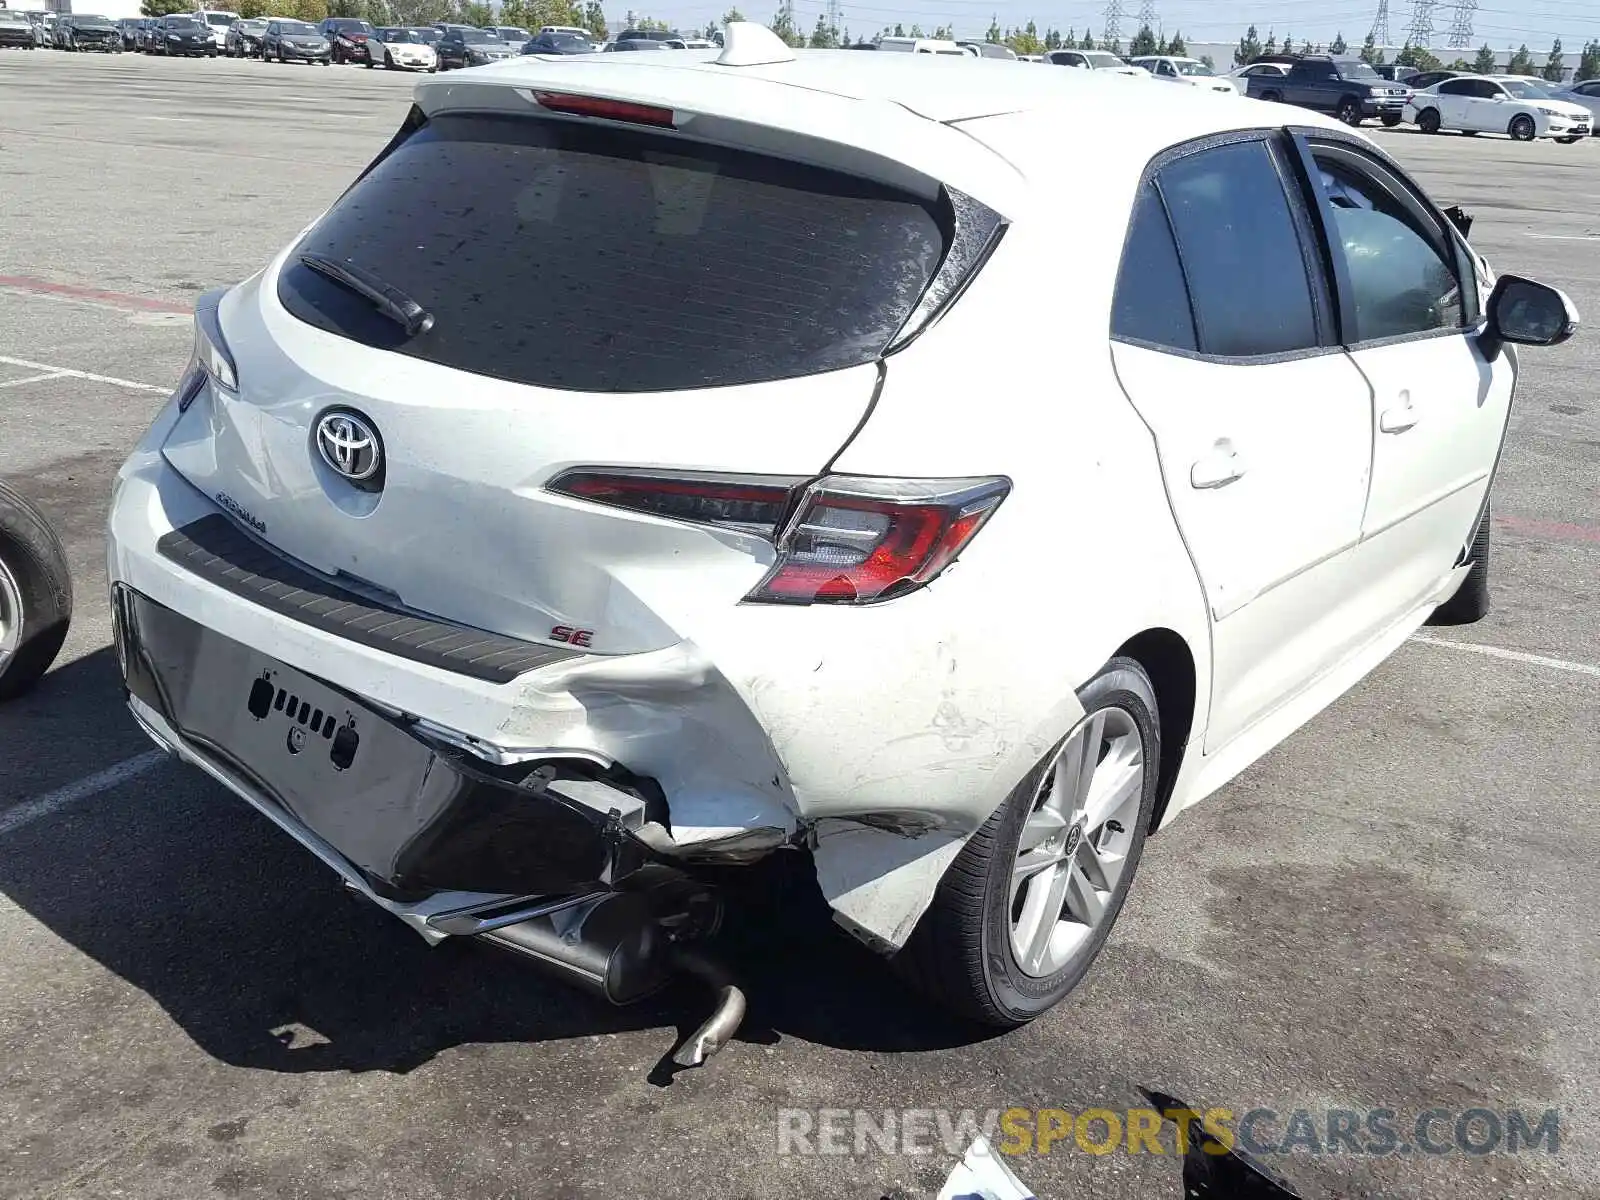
<point x="606" y="487"/>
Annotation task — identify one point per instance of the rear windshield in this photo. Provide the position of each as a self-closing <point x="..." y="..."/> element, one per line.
<point x="573" y="256"/>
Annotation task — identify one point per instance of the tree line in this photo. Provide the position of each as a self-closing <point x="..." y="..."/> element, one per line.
<point x="1484" y="62"/>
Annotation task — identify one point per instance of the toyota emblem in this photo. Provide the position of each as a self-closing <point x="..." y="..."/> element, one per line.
<point x="351" y="447"/>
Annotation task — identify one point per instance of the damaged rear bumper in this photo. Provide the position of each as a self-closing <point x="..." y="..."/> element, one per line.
<point x="450" y="845"/>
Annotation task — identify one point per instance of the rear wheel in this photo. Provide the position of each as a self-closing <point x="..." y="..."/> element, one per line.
<point x="1471" y="601"/>
<point x="1522" y="128"/>
<point x="35" y="595"/>
<point x="1272" y="96"/>
<point x="1428" y="120"/>
<point x="1024" y="909"/>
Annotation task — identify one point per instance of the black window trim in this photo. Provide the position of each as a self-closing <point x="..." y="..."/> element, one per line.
<point x="1312" y="247"/>
<point x="1386" y="174"/>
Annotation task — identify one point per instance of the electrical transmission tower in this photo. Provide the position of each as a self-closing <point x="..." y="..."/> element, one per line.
<point x="1461" y="27"/>
<point x="1380" y="24"/>
<point x="1420" y="32"/>
<point x="835" y="17"/>
<point x="1113" y="29"/>
<point x="1148" y="15"/>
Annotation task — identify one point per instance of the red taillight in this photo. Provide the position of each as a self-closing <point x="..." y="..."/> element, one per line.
<point x="840" y="539"/>
<point x="858" y="540"/>
<point x="611" y="110"/>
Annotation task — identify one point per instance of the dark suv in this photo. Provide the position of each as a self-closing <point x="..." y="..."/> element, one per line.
<point x="350" y="38"/>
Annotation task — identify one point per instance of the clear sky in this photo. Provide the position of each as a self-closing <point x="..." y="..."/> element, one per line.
<point x="1501" y="23"/>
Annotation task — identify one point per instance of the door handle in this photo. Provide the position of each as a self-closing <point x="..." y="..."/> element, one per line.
<point x="1217" y="469"/>
<point x="1399" y="418"/>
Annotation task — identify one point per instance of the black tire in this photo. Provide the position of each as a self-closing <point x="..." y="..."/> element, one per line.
<point x="1428" y="120"/>
<point x="1566" y="141"/>
<point x="1522" y="128"/>
<point x="1349" y="111"/>
<point x="32" y="557"/>
<point x="1272" y="97"/>
<point x="1390" y="120"/>
<point x="960" y="954"/>
<point x="1471" y="601"/>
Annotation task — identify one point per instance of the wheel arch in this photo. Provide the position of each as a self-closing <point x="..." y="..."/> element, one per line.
<point x="1167" y="659"/>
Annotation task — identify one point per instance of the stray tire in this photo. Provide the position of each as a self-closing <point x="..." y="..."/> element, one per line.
<point x="1024" y="909"/>
<point x="35" y="595"/>
<point x="1471" y="601"/>
<point x="1522" y="128"/>
<point x="1428" y="120"/>
<point x="1390" y="120"/>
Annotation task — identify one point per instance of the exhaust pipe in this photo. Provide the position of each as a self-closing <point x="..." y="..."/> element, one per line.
<point x="622" y="946"/>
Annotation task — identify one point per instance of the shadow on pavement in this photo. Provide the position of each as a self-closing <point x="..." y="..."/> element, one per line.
<point x="263" y="958"/>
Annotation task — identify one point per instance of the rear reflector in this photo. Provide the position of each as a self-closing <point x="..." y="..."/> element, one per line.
<point x="610" y="110"/>
<point x="840" y="540"/>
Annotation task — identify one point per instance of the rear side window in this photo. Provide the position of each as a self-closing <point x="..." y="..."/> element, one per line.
<point x="1241" y="252"/>
<point x="572" y="256"/>
<point x="1152" y="303"/>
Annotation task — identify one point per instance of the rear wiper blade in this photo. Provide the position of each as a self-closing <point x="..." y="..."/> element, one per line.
<point x="390" y="301"/>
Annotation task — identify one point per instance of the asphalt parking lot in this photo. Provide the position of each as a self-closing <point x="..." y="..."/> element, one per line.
<point x="1393" y="910"/>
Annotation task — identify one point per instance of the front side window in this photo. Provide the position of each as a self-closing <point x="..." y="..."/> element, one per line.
<point x="1402" y="280"/>
<point x="1241" y="251"/>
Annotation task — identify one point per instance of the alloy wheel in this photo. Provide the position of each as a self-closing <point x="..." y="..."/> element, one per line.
<point x="10" y="615"/>
<point x="1074" y="844"/>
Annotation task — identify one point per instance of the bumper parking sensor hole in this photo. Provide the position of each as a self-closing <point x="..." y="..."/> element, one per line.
<point x="345" y="743"/>
<point x="278" y="703"/>
<point x="260" y="699"/>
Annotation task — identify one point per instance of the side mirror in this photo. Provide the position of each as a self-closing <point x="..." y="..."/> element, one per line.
<point x="1525" y="313"/>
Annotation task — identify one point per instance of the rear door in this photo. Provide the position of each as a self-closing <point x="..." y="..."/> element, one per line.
<point x="600" y="297"/>
<point x="1410" y="307"/>
<point x="1222" y="338"/>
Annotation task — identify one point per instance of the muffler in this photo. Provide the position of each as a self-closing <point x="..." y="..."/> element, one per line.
<point x="624" y="945"/>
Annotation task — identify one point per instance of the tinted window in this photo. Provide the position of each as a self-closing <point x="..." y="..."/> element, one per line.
<point x="1151" y="303"/>
<point x="1455" y="87"/>
<point x="509" y="230"/>
<point x="1400" y="281"/>
<point x="1241" y="251"/>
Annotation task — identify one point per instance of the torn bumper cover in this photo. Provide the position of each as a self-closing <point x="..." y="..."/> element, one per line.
<point x="410" y="820"/>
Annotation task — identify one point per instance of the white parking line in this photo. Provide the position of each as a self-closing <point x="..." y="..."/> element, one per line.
<point x="32" y="379"/>
<point x="1566" y="237"/>
<point x="42" y="806"/>
<point x="1533" y="660"/>
<point x="89" y="375"/>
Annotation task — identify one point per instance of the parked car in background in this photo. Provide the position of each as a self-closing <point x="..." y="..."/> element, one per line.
<point x="558" y="43"/>
<point x="988" y="50"/>
<point x="1426" y="79"/>
<point x="218" y="21"/>
<point x="349" y="38"/>
<point x="577" y="29"/>
<point x="511" y="35"/>
<point x="60" y="30"/>
<point x="399" y="49"/>
<point x="910" y="45"/>
<point x="471" y="48"/>
<point x="244" y="38"/>
<point x="1189" y="71"/>
<point x="1499" y="104"/>
<point x="1091" y="60"/>
<point x="16" y="31"/>
<point x="1585" y="92"/>
<point x="86" y="31"/>
<point x="1346" y="88"/>
<point x="637" y="44"/>
<point x="41" y="22"/>
<point x="287" y="40"/>
<point x="644" y="35"/>
<point x="182" y="35"/>
<point x="144" y="37"/>
<point x="384" y="568"/>
<point x="1395" y="73"/>
<point x="128" y="29"/>
<point x="1241" y="76"/>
